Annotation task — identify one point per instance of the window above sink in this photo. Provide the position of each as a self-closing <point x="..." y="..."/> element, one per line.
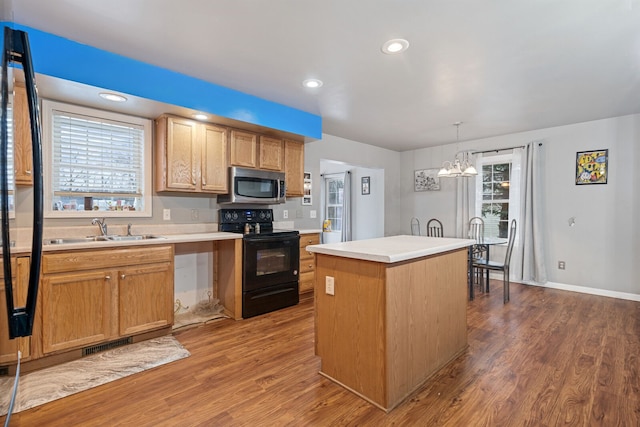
<point x="96" y="162"/>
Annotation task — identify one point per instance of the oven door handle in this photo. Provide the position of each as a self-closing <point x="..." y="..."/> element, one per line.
<point x="259" y="238"/>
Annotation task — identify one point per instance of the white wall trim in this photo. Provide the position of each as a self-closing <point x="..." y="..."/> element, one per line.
<point x="586" y="290"/>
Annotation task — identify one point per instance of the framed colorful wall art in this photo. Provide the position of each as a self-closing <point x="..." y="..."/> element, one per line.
<point x="592" y="167"/>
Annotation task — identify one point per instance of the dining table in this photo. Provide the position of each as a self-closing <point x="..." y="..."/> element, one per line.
<point x="481" y="246"/>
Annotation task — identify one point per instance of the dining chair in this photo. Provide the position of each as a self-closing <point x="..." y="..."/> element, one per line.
<point x="415" y="226"/>
<point x="478" y="251"/>
<point x="487" y="265"/>
<point x="434" y="228"/>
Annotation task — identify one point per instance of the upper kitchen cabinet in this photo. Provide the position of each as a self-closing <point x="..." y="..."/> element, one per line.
<point x="244" y="149"/>
<point x="294" y="167"/>
<point x="271" y="155"/>
<point x="214" y="158"/>
<point x="190" y="156"/>
<point x="21" y="136"/>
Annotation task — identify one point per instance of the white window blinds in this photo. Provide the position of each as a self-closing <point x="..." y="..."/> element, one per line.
<point x="93" y="156"/>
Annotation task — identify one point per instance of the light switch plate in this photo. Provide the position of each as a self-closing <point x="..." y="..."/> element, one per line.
<point x="312" y="214"/>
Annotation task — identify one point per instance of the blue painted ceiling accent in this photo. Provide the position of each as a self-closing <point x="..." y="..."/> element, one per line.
<point x="66" y="59"/>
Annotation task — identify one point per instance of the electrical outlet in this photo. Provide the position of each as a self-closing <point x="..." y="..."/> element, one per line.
<point x="195" y="215"/>
<point x="285" y="214"/>
<point x="312" y="214"/>
<point x="166" y="214"/>
<point x="561" y="265"/>
<point x="329" y="285"/>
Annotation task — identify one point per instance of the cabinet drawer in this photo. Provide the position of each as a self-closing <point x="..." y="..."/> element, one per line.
<point x="309" y="239"/>
<point x="306" y="282"/>
<point x="107" y="258"/>
<point x="307" y="265"/>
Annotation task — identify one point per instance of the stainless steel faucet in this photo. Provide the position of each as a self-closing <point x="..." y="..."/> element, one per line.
<point x="101" y="224"/>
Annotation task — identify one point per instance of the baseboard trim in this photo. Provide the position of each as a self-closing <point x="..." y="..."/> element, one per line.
<point x="586" y="290"/>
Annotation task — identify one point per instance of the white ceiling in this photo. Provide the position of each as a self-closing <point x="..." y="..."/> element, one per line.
<point x="499" y="66"/>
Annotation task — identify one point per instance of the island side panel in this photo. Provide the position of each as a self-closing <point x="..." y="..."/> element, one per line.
<point x="350" y="325"/>
<point x="427" y="319"/>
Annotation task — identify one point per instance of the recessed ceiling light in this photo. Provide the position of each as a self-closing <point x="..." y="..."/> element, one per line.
<point x="200" y="116"/>
<point x="112" y="97"/>
<point x="312" y="83"/>
<point x="395" y="46"/>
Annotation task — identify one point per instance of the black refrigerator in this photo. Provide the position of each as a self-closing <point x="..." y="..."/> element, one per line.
<point x="16" y="55"/>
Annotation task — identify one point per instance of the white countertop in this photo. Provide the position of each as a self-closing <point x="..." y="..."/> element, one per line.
<point x="391" y="249"/>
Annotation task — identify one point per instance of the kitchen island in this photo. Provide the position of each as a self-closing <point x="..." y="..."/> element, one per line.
<point x="390" y="312"/>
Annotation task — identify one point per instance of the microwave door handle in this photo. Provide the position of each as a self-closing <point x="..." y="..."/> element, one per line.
<point x="16" y="48"/>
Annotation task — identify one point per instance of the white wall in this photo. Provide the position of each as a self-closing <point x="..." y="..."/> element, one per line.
<point x="384" y="167"/>
<point x="602" y="251"/>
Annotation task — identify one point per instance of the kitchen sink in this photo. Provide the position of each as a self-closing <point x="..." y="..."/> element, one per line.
<point x="71" y="240"/>
<point x="134" y="237"/>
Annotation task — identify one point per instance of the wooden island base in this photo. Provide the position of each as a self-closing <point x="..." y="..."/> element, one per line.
<point x="390" y="326"/>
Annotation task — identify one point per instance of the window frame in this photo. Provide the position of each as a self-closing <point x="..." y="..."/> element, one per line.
<point x="48" y="107"/>
<point x="514" y="159"/>
<point x="334" y="205"/>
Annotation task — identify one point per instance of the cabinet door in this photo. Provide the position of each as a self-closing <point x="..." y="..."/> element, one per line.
<point x="294" y="167"/>
<point x="21" y="136"/>
<point x="214" y="159"/>
<point x="271" y="156"/>
<point x="76" y="309"/>
<point x="243" y="149"/>
<point x="9" y="347"/>
<point x="145" y="298"/>
<point x="177" y="153"/>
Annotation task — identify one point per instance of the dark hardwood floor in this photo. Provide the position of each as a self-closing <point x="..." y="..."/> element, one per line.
<point x="547" y="358"/>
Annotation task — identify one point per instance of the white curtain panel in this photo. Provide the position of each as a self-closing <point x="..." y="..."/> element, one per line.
<point x="346" y="208"/>
<point x="465" y="203"/>
<point x="529" y="265"/>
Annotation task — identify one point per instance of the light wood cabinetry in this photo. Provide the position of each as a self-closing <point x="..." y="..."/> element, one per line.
<point x="9" y="347"/>
<point x="271" y="154"/>
<point x="190" y="156"/>
<point x="244" y="149"/>
<point x="21" y="137"/>
<point x="294" y="167"/>
<point x="95" y="296"/>
<point x="214" y="158"/>
<point x="307" y="265"/>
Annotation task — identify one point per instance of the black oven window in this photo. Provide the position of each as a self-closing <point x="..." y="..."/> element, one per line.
<point x="270" y="261"/>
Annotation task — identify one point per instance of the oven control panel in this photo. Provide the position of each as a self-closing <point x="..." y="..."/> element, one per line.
<point x="237" y="216"/>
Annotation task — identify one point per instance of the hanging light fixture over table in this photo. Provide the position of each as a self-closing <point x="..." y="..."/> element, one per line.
<point x="458" y="168"/>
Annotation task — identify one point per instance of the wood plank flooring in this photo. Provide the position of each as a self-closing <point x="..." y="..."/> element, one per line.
<point x="547" y="358"/>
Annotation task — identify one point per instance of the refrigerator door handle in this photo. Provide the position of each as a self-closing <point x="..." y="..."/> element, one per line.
<point x="16" y="49"/>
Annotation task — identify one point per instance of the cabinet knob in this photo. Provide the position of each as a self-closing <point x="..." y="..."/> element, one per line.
<point x="310" y="265"/>
<point x="27" y="172"/>
<point x="123" y="276"/>
<point x="107" y="277"/>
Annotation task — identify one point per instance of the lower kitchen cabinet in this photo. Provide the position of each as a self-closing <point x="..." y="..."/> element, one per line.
<point x="307" y="265"/>
<point x="9" y="347"/>
<point x="90" y="297"/>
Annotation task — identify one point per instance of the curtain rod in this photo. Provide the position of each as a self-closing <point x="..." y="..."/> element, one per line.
<point x="335" y="173"/>
<point x="503" y="149"/>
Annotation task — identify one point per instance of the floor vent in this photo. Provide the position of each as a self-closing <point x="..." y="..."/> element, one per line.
<point x="106" y="346"/>
<point x="4" y="371"/>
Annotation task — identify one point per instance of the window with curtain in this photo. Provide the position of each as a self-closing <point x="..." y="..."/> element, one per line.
<point x="497" y="193"/>
<point x="334" y="201"/>
<point x="99" y="162"/>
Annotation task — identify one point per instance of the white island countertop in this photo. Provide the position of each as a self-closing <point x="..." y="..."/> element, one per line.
<point x="391" y="249"/>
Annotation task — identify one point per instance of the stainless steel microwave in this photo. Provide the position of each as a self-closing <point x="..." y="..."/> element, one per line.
<point x="254" y="186"/>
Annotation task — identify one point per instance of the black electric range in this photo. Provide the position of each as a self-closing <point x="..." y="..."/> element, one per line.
<point x="270" y="260"/>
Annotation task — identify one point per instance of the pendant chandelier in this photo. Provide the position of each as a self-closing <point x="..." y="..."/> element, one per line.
<point x="458" y="168"/>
